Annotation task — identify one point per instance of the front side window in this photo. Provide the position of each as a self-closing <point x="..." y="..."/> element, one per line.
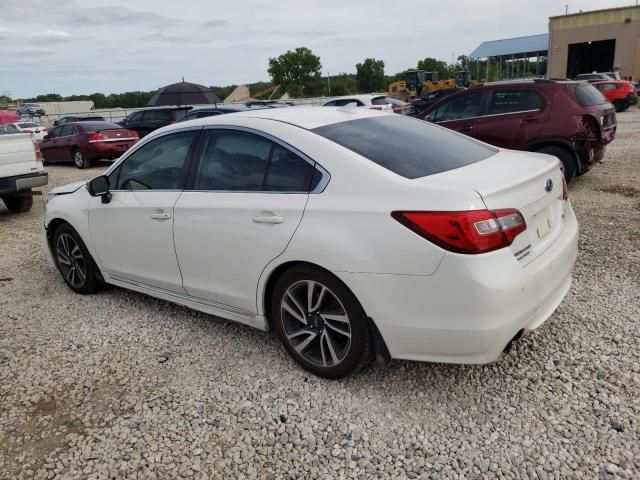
<point x="8" y="129"/>
<point x="159" y="165"/>
<point x="55" y="132"/>
<point x="510" y="101"/>
<point x="458" y="108"/>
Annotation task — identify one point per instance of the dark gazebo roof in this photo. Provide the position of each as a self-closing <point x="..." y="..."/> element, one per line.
<point x="183" y="93"/>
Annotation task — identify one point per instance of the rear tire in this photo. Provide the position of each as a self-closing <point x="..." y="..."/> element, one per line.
<point x="19" y="203"/>
<point x="79" y="160"/>
<point x="74" y="262"/>
<point x="320" y="322"/>
<point x="569" y="164"/>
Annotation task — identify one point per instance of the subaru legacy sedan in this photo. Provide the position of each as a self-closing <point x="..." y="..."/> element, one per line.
<point x="429" y="245"/>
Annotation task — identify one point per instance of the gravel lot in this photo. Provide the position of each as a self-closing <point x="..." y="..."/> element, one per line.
<point x="120" y="385"/>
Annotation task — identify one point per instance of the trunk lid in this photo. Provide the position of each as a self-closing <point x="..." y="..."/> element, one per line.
<point x="529" y="182"/>
<point x="118" y="135"/>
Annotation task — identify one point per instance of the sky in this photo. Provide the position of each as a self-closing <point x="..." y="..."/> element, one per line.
<point x="110" y="46"/>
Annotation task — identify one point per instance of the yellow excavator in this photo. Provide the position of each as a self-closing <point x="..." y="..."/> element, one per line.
<point x="416" y="82"/>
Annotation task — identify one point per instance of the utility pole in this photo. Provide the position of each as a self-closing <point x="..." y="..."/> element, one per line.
<point x="329" y="82"/>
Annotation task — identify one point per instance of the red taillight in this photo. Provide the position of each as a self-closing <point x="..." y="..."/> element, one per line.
<point x="476" y="231"/>
<point x="36" y="149"/>
<point x="565" y="190"/>
<point x="96" y="137"/>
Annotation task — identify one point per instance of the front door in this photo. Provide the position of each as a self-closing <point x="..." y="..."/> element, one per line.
<point x="514" y="118"/>
<point x="460" y="113"/>
<point x="245" y="202"/>
<point x="133" y="233"/>
<point x="50" y="147"/>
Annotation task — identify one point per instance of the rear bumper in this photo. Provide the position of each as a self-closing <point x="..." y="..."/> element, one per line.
<point x="20" y="183"/>
<point x="471" y="308"/>
<point x="106" y="149"/>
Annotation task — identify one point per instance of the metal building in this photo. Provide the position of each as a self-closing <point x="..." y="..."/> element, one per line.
<point x="596" y="41"/>
<point x="511" y="56"/>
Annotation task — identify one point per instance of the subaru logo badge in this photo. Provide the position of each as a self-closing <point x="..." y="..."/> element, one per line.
<point x="549" y="185"/>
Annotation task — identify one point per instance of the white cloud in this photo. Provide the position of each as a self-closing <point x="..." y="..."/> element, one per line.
<point x="53" y="34"/>
<point x="110" y="47"/>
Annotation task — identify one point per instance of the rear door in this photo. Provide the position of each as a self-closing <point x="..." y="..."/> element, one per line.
<point x="243" y="204"/>
<point x="513" y="118"/>
<point x="459" y="113"/>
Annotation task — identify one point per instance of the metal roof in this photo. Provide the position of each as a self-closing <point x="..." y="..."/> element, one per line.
<point x="531" y="44"/>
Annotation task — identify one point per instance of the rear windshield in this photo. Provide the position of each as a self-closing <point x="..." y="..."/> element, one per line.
<point x="28" y="125"/>
<point x="409" y="147"/>
<point x="589" y="95"/>
<point x="97" y="126"/>
<point x="379" y="101"/>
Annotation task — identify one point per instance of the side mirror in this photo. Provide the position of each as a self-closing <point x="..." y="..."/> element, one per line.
<point x="99" y="187"/>
<point x="46" y="137"/>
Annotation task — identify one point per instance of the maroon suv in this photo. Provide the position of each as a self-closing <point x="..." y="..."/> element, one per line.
<point x="570" y="120"/>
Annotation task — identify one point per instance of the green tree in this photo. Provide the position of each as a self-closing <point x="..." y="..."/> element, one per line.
<point x="430" y="64"/>
<point x="370" y="75"/>
<point x="342" y="84"/>
<point x="297" y="72"/>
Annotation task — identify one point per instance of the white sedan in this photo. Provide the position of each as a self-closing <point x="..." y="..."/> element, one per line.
<point x="32" y="127"/>
<point x="374" y="102"/>
<point x="428" y="246"/>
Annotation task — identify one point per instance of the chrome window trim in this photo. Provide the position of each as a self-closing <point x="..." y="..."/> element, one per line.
<point x="488" y="116"/>
<point x="320" y="187"/>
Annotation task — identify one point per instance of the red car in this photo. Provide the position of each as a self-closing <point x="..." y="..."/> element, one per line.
<point x="569" y="120"/>
<point x="621" y="94"/>
<point x="82" y="142"/>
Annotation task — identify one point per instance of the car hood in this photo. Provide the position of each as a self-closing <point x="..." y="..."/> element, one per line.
<point x="66" y="189"/>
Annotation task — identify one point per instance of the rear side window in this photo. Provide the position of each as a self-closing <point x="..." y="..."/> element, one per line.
<point x="288" y="172"/>
<point x="233" y="161"/>
<point x="588" y="95"/>
<point x="411" y="148"/>
<point x="509" y="101"/>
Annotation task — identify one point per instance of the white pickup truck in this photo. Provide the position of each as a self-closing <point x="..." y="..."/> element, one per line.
<point x="20" y="169"/>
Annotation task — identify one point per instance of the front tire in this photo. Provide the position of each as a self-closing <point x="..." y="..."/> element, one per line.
<point x="74" y="261"/>
<point x="19" y="203"/>
<point x="569" y="164"/>
<point x="79" y="159"/>
<point x="320" y="322"/>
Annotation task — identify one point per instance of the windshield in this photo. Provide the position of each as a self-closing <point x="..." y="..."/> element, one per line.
<point x="409" y="147"/>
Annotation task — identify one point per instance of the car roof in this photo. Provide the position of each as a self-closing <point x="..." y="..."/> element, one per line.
<point x="303" y="116"/>
<point x="358" y="97"/>
<point x="95" y="124"/>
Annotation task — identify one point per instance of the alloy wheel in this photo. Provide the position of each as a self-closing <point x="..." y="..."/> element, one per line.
<point x="78" y="158"/>
<point x="316" y="323"/>
<point x="71" y="261"/>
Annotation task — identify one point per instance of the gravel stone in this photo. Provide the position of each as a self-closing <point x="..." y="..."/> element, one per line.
<point x="121" y="385"/>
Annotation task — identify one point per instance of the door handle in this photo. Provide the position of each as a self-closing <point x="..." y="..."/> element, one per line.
<point x="530" y="119"/>
<point x="268" y="219"/>
<point x="161" y="216"/>
<point x="466" y="129"/>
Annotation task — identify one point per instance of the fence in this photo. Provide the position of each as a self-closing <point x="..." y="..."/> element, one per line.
<point x="116" y="114"/>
